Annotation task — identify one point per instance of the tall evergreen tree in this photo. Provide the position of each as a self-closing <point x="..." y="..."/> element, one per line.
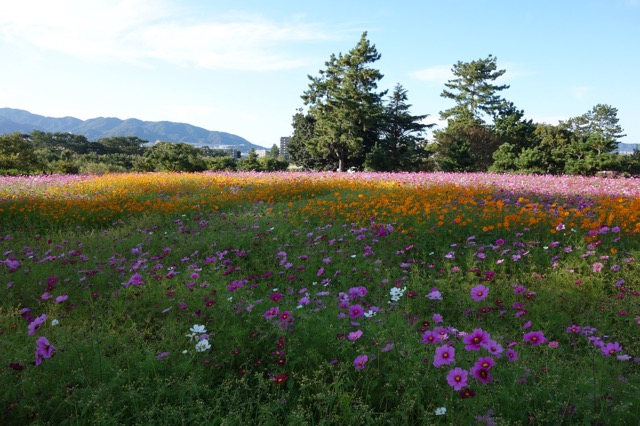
<point x="468" y="142"/>
<point x="473" y="91"/>
<point x="275" y="151"/>
<point x="304" y="125"/>
<point x="600" y="126"/>
<point x="345" y="105"/>
<point x="399" y="146"/>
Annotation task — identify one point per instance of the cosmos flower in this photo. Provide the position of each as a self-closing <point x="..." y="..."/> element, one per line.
<point x="479" y="293"/>
<point x="475" y="340"/>
<point x="610" y="349"/>
<point x="444" y="355"/>
<point x="35" y="324"/>
<point x="535" y="337"/>
<point x="457" y="378"/>
<point x="44" y="349"/>
<point x="360" y="362"/>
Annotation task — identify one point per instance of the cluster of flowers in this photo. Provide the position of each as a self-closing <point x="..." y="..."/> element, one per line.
<point x="44" y="349"/>
<point x="607" y="349"/>
<point x="199" y="334"/>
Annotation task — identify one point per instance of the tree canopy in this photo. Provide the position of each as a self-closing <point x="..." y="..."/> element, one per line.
<point x="473" y="91"/>
<point x="345" y="105"/>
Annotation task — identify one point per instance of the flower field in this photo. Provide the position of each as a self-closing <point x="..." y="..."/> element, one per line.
<point x="295" y="298"/>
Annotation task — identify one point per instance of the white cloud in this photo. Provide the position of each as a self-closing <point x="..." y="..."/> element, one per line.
<point x="436" y="74"/>
<point x="142" y="31"/>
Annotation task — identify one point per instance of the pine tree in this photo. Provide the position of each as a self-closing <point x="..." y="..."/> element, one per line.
<point x="473" y="90"/>
<point x="399" y="147"/>
<point x="346" y="107"/>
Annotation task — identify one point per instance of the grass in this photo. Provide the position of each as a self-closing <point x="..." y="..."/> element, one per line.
<point x="361" y="271"/>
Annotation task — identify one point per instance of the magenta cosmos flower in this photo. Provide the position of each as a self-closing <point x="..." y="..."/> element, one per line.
<point x="136" y="279"/>
<point x="457" y="378"/>
<point x="475" y="340"/>
<point x="535" y="337"/>
<point x="483" y="375"/>
<point x="479" y="293"/>
<point x="484" y="362"/>
<point x="356" y="311"/>
<point x="360" y="362"/>
<point x="44" y="349"/>
<point x="444" y="355"/>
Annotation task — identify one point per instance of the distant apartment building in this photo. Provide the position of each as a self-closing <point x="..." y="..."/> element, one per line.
<point x="284" y="143"/>
<point x="261" y="153"/>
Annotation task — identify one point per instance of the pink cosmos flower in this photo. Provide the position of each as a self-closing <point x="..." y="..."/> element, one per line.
<point x="61" y="299"/>
<point x="360" y="362"/>
<point x="484" y="362"/>
<point x="611" y="349"/>
<point x="285" y="316"/>
<point x="431" y="337"/>
<point x="475" y="340"/>
<point x="359" y="291"/>
<point x="35" y="324"/>
<point x="136" y="279"/>
<point x="479" y="293"/>
<point x="535" y="337"/>
<point x="519" y="289"/>
<point x="494" y="348"/>
<point x="457" y="378"/>
<point x="272" y="312"/>
<point x="435" y="294"/>
<point x="44" y="349"/>
<point x="574" y="329"/>
<point x="356" y="311"/>
<point x="355" y="335"/>
<point x="387" y="348"/>
<point x="437" y="318"/>
<point x="444" y="355"/>
<point x="597" y="267"/>
<point x="512" y="355"/>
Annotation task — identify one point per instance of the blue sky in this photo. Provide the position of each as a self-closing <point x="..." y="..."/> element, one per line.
<point x="241" y="66"/>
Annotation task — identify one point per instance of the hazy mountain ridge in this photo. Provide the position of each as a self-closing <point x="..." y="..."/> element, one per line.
<point x="16" y="120"/>
<point x="628" y="147"/>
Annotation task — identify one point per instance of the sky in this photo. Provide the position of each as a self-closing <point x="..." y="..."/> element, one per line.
<point x="241" y="66"/>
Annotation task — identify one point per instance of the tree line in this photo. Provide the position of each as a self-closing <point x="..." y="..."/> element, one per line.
<point x="66" y="153"/>
<point x="347" y="122"/>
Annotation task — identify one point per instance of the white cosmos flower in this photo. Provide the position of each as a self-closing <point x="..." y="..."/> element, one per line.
<point x="202" y="345"/>
<point x="197" y="328"/>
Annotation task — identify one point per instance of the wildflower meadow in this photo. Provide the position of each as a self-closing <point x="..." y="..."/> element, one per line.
<point x="319" y="298"/>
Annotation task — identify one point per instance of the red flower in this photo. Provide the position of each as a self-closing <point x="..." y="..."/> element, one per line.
<point x="280" y="379"/>
<point x="467" y="393"/>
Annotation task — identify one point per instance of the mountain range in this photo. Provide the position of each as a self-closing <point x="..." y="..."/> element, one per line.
<point x="17" y="120"/>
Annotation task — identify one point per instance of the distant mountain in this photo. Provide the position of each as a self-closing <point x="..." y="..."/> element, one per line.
<point x="627" y="148"/>
<point x="17" y="120"/>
